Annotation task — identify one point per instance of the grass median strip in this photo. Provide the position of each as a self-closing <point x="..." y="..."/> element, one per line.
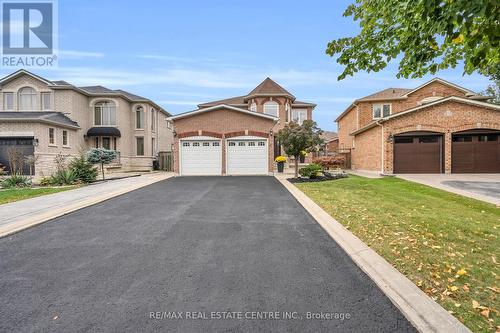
<point x="445" y="243"/>
<point x="11" y="195"/>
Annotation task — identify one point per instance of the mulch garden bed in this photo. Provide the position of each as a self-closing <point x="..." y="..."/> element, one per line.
<point x="324" y="177"/>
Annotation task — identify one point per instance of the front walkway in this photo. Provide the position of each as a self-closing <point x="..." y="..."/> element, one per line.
<point x="20" y="215"/>
<point x="484" y="187"/>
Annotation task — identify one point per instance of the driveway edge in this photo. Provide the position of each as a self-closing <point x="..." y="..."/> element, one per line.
<point x="43" y="217"/>
<point x="422" y="311"/>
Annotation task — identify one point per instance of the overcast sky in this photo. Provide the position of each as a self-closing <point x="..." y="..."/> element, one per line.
<point x="181" y="53"/>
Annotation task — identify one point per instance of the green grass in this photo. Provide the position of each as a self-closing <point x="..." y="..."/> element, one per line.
<point x="11" y="195"/>
<point x="448" y="245"/>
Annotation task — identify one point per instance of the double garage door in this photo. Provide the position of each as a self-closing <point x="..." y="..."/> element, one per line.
<point x="244" y="156"/>
<point x="476" y="151"/>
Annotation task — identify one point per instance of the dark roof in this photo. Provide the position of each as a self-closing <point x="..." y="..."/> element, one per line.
<point x="131" y="96"/>
<point x="97" y="90"/>
<point x="48" y="117"/>
<point x="268" y="86"/>
<point x="389" y="93"/>
<point x="104" y="131"/>
<point x="61" y="83"/>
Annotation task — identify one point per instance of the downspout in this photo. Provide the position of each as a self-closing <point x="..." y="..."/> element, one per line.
<point x="382" y="147"/>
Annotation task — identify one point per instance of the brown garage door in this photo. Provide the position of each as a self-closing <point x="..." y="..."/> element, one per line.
<point x="418" y="154"/>
<point x="474" y="152"/>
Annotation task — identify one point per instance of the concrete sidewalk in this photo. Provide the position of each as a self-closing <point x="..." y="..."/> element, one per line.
<point x="23" y="214"/>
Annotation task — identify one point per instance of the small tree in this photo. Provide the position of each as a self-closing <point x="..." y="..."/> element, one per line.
<point x="101" y="156"/>
<point x="296" y="138"/>
<point x="31" y="161"/>
<point x="493" y="91"/>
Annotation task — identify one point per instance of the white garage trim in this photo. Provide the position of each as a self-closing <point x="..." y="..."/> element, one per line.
<point x="217" y="167"/>
<point x="261" y="167"/>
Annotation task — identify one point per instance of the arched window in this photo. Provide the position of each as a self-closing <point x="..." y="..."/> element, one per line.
<point x="105" y="114"/>
<point x="27" y="99"/>
<point x="271" y="108"/>
<point x="139" y="117"/>
<point x="253" y="107"/>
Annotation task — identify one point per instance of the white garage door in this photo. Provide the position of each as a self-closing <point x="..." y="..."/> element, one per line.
<point x="200" y="157"/>
<point x="247" y="157"/>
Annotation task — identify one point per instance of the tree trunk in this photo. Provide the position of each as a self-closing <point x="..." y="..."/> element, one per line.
<point x="102" y="169"/>
<point x="296" y="166"/>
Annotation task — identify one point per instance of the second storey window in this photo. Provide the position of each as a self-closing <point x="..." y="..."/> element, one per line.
<point x="139" y="117"/>
<point x="381" y="110"/>
<point x="271" y="108"/>
<point x="8" y="101"/>
<point x="299" y="116"/>
<point x="46" y="105"/>
<point x="105" y="114"/>
<point x="27" y="99"/>
<point x="253" y="107"/>
<point x="153" y="120"/>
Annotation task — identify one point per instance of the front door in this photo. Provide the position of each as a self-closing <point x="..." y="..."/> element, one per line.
<point x="277" y="147"/>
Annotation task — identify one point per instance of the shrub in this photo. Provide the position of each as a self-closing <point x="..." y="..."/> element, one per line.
<point x="63" y="177"/>
<point x="280" y="159"/>
<point x="16" y="181"/>
<point x="84" y="170"/>
<point x="45" y="181"/>
<point x="101" y="156"/>
<point x="330" y="162"/>
<point x="311" y="171"/>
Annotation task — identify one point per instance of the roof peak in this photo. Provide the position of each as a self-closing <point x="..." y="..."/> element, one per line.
<point x="269" y="87"/>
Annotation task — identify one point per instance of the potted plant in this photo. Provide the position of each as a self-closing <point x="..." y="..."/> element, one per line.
<point x="303" y="155"/>
<point x="281" y="162"/>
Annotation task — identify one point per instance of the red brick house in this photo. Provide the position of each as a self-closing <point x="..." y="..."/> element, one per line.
<point x="438" y="127"/>
<point x="236" y="136"/>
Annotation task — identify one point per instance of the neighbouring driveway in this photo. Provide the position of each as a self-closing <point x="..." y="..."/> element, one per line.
<point x="485" y="187"/>
<point x="203" y="244"/>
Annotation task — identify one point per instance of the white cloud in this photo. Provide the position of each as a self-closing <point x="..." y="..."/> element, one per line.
<point x="72" y="54"/>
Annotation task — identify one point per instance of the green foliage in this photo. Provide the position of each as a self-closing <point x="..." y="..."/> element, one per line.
<point x="330" y="162"/>
<point x="310" y="171"/>
<point x="424" y="35"/>
<point x="44" y="181"/>
<point x="296" y="138"/>
<point x="101" y="156"/>
<point x="493" y="91"/>
<point x="16" y="181"/>
<point x="63" y="177"/>
<point x="84" y="170"/>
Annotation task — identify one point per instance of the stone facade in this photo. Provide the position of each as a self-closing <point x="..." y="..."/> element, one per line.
<point x="78" y="105"/>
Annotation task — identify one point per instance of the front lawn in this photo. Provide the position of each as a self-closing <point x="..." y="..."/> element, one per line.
<point x="10" y="195"/>
<point x="448" y="245"/>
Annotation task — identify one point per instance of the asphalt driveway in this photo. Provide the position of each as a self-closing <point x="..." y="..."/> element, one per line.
<point x="221" y="247"/>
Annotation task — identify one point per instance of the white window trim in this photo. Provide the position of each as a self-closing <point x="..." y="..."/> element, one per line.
<point x="143" y="146"/>
<point x="381" y="110"/>
<point x="102" y="102"/>
<point x="271" y="103"/>
<point x="42" y="106"/>
<point x="300" y="111"/>
<point x="143" y="118"/>
<point x="67" y="145"/>
<point x="52" y="144"/>
<point x="253" y="107"/>
<point x="35" y="94"/>
<point x="12" y="93"/>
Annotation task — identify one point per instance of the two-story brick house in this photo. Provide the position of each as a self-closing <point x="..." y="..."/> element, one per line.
<point x="237" y="135"/>
<point x="45" y="118"/>
<point x="438" y="127"/>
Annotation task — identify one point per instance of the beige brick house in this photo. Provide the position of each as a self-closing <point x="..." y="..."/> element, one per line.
<point x="46" y="118"/>
<point x="236" y="136"/>
<point x="438" y="127"/>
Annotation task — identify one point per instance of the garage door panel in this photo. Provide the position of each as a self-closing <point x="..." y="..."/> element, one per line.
<point x="247" y="157"/>
<point x="417" y="154"/>
<point x="22" y="144"/>
<point x="200" y="157"/>
<point x="479" y="153"/>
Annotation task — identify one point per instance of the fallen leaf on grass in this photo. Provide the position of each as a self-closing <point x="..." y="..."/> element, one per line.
<point x="485" y="313"/>
<point x="475" y="304"/>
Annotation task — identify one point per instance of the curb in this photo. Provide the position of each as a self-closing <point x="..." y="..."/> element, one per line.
<point x="16" y="227"/>
<point x="422" y="311"/>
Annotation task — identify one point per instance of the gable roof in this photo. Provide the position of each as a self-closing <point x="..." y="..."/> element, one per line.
<point x="88" y="91"/>
<point x="492" y="106"/>
<point x="56" y="118"/>
<point x="221" y="106"/>
<point x="269" y="88"/>
<point x="329" y="136"/>
<point x="238" y="100"/>
<point x="402" y="93"/>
